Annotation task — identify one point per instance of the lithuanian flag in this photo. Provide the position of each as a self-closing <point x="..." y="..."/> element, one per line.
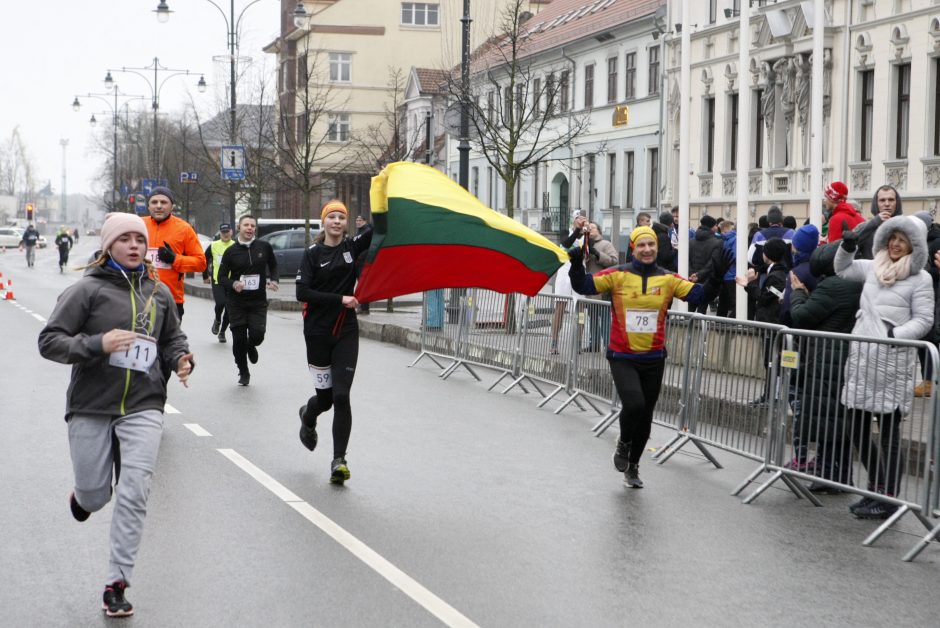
<point x="431" y="233"/>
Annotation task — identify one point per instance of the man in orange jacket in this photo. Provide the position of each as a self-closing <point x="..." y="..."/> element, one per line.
<point x="172" y="246"/>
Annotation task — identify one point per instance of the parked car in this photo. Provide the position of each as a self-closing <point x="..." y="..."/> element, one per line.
<point x="10" y="237"/>
<point x="270" y="225"/>
<point x="289" y="249"/>
<point x="42" y="242"/>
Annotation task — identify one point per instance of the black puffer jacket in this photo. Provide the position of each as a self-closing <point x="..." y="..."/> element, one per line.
<point x="704" y="251"/>
<point x="831" y="307"/>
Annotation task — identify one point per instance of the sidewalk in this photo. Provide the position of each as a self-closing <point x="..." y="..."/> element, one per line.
<point x="401" y="326"/>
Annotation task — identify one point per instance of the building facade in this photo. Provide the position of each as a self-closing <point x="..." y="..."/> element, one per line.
<point x="881" y="122"/>
<point x="358" y="55"/>
<point x="605" y="58"/>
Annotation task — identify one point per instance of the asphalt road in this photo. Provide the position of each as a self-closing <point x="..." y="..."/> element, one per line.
<point x="465" y="507"/>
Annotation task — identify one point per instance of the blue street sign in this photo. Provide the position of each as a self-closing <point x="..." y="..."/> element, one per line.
<point x="233" y="163"/>
<point x="146" y="185"/>
<point x="189" y="177"/>
<point x="125" y="190"/>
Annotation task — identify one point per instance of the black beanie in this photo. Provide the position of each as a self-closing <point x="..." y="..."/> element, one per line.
<point x="775" y="249"/>
<point x="161" y="190"/>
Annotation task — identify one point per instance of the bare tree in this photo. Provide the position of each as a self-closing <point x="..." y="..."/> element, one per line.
<point x="308" y="132"/>
<point x="520" y="110"/>
<point x="16" y="167"/>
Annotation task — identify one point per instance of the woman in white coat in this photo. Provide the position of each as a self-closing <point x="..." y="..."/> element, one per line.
<point x="897" y="302"/>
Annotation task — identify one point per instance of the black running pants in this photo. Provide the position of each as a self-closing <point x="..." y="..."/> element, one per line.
<point x="638" y="383"/>
<point x="341" y="354"/>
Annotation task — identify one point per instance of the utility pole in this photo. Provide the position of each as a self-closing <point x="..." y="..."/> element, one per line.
<point x="464" y="146"/>
<point x="63" y="205"/>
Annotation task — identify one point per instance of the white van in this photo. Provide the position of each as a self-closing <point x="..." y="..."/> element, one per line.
<point x="270" y="225"/>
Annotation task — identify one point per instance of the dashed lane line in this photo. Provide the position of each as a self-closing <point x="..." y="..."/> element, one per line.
<point x="405" y="583"/>
<point x="196" y="429"/>
<point x="168" y="409"/>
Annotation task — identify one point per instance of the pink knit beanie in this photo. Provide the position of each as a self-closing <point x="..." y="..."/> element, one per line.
<point x="117" y="224"/>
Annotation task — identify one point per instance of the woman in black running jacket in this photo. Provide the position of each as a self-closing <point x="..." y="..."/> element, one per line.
<point x="325" y="284"/>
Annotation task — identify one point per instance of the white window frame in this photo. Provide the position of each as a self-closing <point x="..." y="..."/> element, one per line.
<point x="410" y="12"/>
<point x="340" y="61"/>
<point x="339" y="128"/>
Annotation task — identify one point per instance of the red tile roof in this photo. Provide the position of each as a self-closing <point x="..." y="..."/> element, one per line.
<point x="565" y="21"/>
<point x="431" y="81"/>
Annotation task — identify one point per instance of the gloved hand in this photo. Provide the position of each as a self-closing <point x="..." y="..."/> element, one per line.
<point x="165" y="254"/>
<point x="849" y="238"/>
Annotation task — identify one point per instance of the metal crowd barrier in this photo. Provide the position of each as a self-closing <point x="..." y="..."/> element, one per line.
<point x="442" y="327"/>
<point x="788" y="399"/>
<point x="848" y="419"/>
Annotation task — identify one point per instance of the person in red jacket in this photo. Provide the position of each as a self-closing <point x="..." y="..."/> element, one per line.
<point x="839" y="210"/>
<point x="172" y="246"/>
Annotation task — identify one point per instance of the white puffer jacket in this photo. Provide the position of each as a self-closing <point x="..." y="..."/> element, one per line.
<point x="879" y="378"/>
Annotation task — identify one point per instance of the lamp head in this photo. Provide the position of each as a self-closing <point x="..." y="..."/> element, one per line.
<point x="93" y="122"/>
<point x="201" y="85"/>
<point x="76" y="105"/>
<point x="163" y="12"/>
<point x="301" y="17"/>
<point x="108" y="81"/>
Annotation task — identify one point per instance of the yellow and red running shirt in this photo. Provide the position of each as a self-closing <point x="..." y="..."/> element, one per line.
<point x="640" y="299"/>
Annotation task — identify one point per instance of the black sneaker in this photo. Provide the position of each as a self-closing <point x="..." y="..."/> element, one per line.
<point x="621" y="456"/>
<point x="820" y="488"/>
<point x="215" y="327"/>
<point x="876" y="510"/>
<point x="243" y="378"/>
<point x="78" y="512"/>
<point x="253" y="355"/>
<point x="114" y="603"/>
<point x="862" y="503"/>
<point x="631" y="477"/>
<point x="222" y="337"/>
<point x="339" y="472"/>
<point x="308" y="434"/>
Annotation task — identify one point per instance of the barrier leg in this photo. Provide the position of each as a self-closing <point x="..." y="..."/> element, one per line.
<point x="429" y="356"/>
<point x="890" y="521"/>
<point x="763" y="487"/>
<point x="557" y="390"/>
<point x="707" y="454"/>
<point x="800" y="491"/>
<point x="743" y="485"/>
<point x="518" y="382"/>
<point x="664" y="448"/>
<point x="605" y="422"/>
<point x="683" y="439"/>
<point x="921" y="544"/>
<point x="501" y="378"/>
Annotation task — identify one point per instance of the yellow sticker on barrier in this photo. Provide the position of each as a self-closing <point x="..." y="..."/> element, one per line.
<point x="531" y="309"/>
<point x="790" y="359"/>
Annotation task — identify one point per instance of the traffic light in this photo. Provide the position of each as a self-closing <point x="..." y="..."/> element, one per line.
<point x="131" y="200"/>
<point x="29" y="212"/>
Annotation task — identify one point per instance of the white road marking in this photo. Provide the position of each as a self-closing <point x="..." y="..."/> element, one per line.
<point x="405" y="583"/>
<point x="170" y="409"/>
<point x="39" y="318"/>
<point x="196" y="429"/>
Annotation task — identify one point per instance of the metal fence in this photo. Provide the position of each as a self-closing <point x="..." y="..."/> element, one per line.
<point x="806" y="406"/>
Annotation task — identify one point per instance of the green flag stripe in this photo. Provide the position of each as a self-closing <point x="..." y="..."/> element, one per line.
<point x="411" y="223"/>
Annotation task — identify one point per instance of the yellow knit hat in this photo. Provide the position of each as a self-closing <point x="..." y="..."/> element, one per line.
<point x="641" y="232"/>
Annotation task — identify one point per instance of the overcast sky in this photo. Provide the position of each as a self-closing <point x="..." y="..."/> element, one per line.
<point x="57" y="49"/>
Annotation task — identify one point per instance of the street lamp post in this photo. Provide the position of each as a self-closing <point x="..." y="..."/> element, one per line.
<point x="463" y="148"/>
<point x="231" y="26"/>
<point x="116" y="94"/>
<point x="155" y="88"/>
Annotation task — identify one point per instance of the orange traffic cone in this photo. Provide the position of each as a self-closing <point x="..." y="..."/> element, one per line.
<point x="9" y="295"/>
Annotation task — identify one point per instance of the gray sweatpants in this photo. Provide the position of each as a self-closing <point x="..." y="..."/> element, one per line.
<point x="90" y="443"/>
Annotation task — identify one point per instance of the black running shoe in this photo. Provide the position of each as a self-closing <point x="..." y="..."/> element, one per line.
<point x="78" y="512"/>
<point x="862" y="503"/>
<point x="621" y="456"/>
<point x="876" y="510"/>
<point x="215" y="327"/>
<point x="222" y="337"/>
<point x="114" y="603"/>
<point x="308" y="435"/>
<point x="339" y="472"/>
<point x="243" y="378"/>
<point x="253" y="355"/>
<point x="631" y="477"/>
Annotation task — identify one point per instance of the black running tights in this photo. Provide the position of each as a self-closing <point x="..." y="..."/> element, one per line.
<point x="340" y="353"/>
<point x="638" y="383"/>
